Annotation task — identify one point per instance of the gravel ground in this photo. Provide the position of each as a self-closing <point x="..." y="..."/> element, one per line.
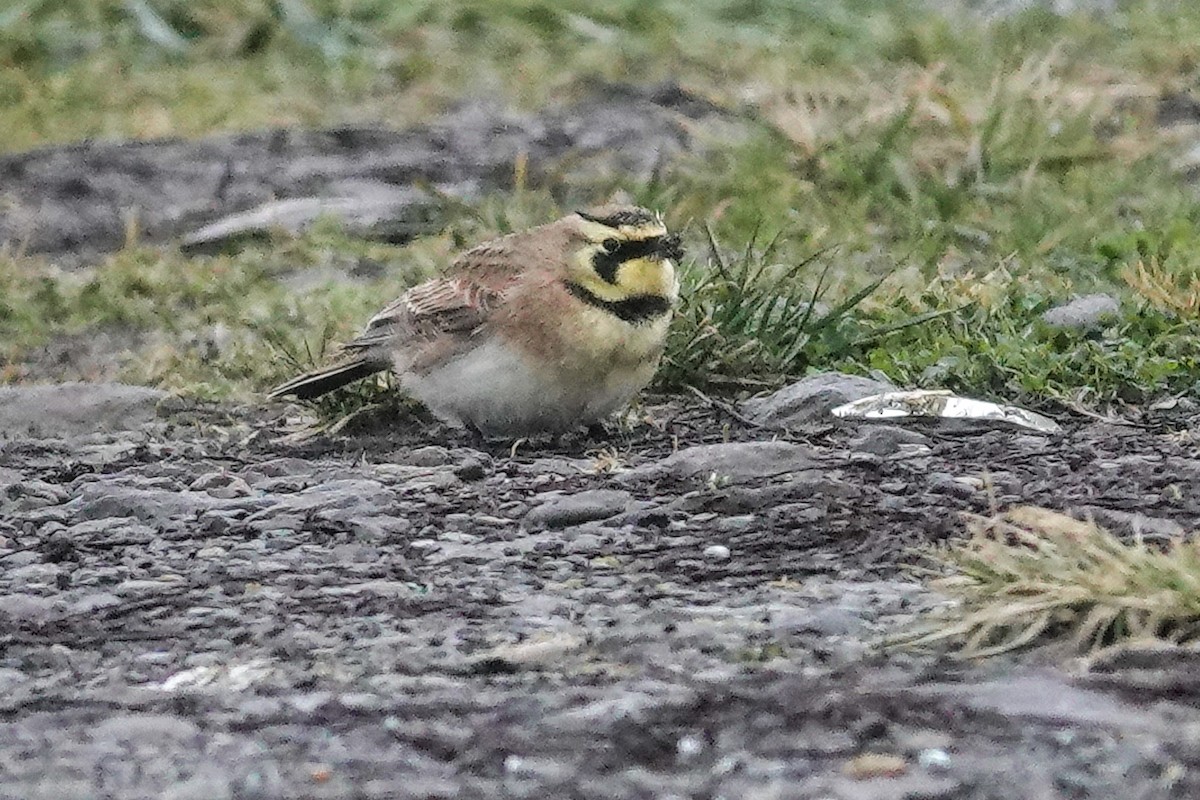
<point x="202" y="607"/>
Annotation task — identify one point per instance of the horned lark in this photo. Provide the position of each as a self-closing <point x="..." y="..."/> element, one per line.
<point x="538" y="331"/>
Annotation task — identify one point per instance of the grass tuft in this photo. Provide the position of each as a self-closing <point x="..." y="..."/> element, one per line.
<point x="748" y="320"/>
<point x="1033" y="577"/>
<point x="359" y="404"/>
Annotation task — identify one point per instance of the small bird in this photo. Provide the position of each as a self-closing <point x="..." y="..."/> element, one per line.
<point x="538" y="331"/>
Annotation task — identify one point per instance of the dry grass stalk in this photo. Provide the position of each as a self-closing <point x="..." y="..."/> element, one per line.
<point x="1034" y="576"/>
<point x="1164" y="289"/>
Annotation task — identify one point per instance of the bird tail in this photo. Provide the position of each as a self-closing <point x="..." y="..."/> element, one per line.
<point x="320" y="381"/>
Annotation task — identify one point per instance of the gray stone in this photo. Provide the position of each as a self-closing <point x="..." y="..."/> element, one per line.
<point x="378" y="528"/>
<point x="1045" y="697"/>
<point x="210" y="784"/>
<point x="470" y="469"/>
<point x="913" y="786"/>
<point x="729" y="462"/>
<point x="144" y="588"/>
<point x="356" y="496"/>
<point x="380" y="588"/>
<point x="11" y="678"/>
<point x="281" y="468"/>
<point x="810" y="400"/>
<point x="20" y="558"/>
<point x="432" y="455"/>
<point x="575" y="509"/>
<point x="363" y="505"/>
<point x="831" y="621"/>
<point x="1127" y="523"/>
<point x="944" y="483"/>
<point x="16" y="609"/>
<point x="585" y="543"/>
<point x="33" y="575"/>
<point x="144" y="728"/>
<point x="74" y="409"/>
<point x="222" y="485"/>
<point x="29" y="495"/>
<point x="105" y="526"/>
<point x="93" y="602"/>
<point x="886" y="440"/>
<point x="1083" y="313"/>
<point x="153" y="506"/>
<point x="385" y="212"/>
<point x="737" y="523"/>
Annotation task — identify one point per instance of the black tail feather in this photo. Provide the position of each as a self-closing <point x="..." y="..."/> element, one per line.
<point x="319" y="382"/>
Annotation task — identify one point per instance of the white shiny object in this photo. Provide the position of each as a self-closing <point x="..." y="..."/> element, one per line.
<point x="944" y="404"/>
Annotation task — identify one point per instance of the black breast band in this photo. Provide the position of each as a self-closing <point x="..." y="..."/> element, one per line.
<point x="634" y="310"/>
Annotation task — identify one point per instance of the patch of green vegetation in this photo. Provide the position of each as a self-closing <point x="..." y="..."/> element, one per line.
<point x="1035" y="577"/>
<point x="191" y="66"/>
<point x="936" y="184"/>
<point x="208" y="326"/>
<point x="1006" y="352"/>
<point x="753" y="322"/>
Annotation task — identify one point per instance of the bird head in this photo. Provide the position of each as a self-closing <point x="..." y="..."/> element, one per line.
<point x="624" y="252"/>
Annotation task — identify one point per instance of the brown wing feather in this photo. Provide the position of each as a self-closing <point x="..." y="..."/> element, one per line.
<point x="424" y="315"/>
<point x="459" y="302"/>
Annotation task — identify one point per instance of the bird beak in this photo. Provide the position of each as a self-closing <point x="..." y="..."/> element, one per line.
<point x="671" y="248"/>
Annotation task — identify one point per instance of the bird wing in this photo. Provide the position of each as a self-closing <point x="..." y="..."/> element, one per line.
<point x="428" y="311"/>
<point x="438" y="317"/>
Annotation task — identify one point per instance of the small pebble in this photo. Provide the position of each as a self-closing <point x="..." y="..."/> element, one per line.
<point x="875" y="765"/>
<point x="717" y="552"/>
<point x="934" y="758"/>
<point x="470" y="469"/>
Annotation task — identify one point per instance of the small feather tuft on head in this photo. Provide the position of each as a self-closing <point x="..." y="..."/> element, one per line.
<point x="611" y="217"/>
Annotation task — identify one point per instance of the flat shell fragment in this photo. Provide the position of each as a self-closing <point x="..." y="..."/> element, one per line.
<point x="943" y="404"/>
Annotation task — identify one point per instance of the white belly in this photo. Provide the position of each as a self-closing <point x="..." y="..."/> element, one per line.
<point x="494" y="389"/>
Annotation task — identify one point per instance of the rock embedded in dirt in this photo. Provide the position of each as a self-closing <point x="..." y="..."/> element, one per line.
<point x="75" y="409"/>
<point x="1046" y="696"/>
<point x="717" y="552"/>
<point x="1083" y="313"/>
<point x="886" y="440"/>
<point x="470" y="469"/>
<point x="222" y="485"/>
<point x="574" y="509"/>
<point x="28" y="495"/>
<point x="18" y="609"/>
<point x="1130" y="524"/>
<point x="832" y="621"/>
<point x="148" y="728"/>
<point x="159" y="507"/>
<point x="809" y="401"/>
<point x="729" y="462"/>
<point x="390" y="214"/>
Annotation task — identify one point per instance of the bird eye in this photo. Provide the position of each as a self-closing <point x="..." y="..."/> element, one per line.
<point x="610" y="245"/>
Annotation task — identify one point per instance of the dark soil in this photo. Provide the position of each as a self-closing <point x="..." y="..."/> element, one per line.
<point x="199" y="610"/>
